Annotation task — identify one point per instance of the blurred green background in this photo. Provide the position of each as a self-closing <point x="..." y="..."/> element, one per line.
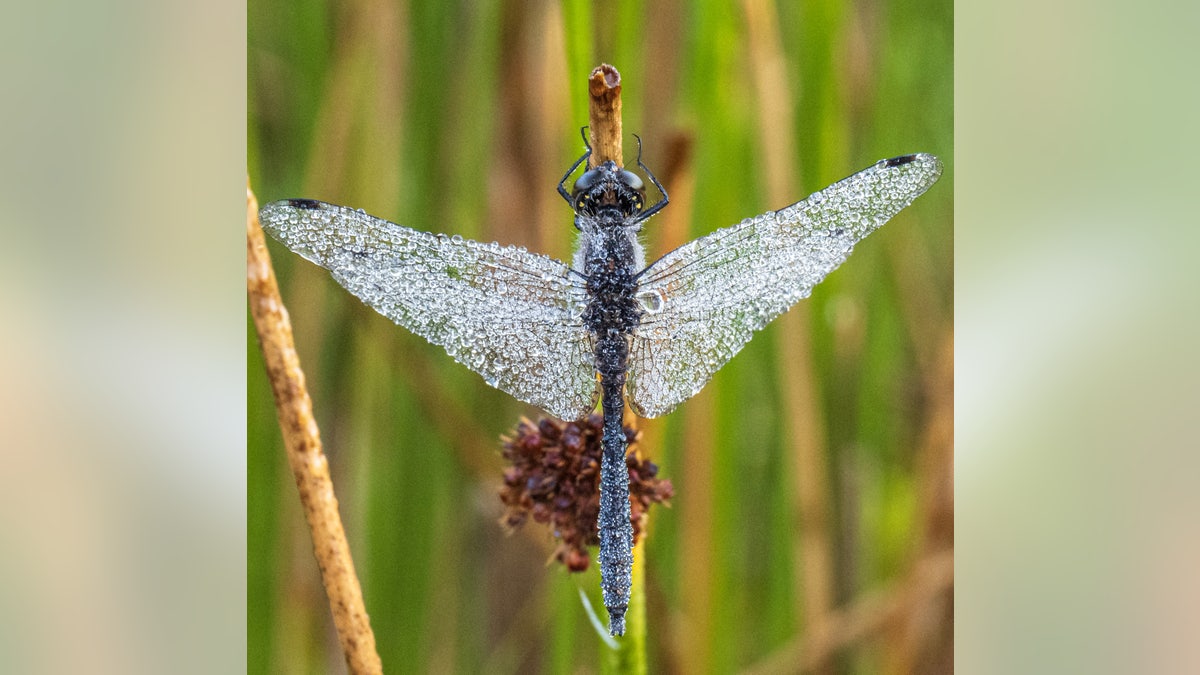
<point x="813" y="516"/>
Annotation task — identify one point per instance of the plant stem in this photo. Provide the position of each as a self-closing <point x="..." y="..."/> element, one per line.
<point x="604" y="115"/>
<point x="309" y="465"/>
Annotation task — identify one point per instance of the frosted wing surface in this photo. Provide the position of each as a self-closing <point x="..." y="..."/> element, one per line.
<point x="510" y="315"/>
<point x="703" y="301"/>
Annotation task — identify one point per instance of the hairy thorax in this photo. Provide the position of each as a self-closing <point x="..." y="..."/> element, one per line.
<point x="611" y="259"/>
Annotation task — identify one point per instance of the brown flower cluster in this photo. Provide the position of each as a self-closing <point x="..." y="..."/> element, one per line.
<point x="555" y="477"/>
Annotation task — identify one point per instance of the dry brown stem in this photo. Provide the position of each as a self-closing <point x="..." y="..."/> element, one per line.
<point x="604" y="115"/>
<point x="302" y="439"/>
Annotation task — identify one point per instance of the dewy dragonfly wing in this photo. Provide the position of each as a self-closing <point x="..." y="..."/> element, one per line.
<point x="510" y="315"/>
<point x="703" y="301"/>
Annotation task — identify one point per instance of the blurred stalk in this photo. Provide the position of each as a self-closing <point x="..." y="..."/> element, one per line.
<point x="804" y="423"/>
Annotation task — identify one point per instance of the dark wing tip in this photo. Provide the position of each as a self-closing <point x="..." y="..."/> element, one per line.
<point x="310" y="204"/>
<point x="900" y="161"/>
<point x="924" y="164"/>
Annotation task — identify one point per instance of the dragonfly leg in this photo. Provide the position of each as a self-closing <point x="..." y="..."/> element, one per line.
<point x="562" y="190"/>
<point x="657" y="206"/>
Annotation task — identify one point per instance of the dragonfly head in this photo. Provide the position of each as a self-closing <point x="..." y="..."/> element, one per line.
<point x="608" y="187"/>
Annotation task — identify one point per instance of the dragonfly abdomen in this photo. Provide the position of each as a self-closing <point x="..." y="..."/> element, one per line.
<point x="613" y="523"/>
<point x="611" y="316"/>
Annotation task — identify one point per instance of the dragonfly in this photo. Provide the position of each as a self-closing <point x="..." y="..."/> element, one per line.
<point x="607" y="327"/>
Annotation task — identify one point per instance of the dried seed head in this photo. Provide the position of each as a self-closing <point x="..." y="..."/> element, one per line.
<point x="554" y="477"/>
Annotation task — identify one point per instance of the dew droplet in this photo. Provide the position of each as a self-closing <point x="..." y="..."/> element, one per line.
<point x="652" y="301"/>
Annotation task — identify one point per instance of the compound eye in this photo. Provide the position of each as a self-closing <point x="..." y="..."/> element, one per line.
<point x="631" y="180"/>
<point x="587" y="181"/>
